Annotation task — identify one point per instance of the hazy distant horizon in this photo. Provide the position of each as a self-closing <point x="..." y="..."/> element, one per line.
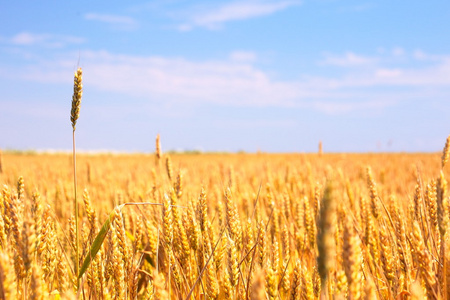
<point x="190" y="152"/>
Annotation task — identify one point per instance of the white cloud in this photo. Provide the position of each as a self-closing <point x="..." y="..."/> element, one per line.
<point x="239" y="10"/>
<point x="423" y="56"/>
<point x="243" y="56"/>
<point x="236" y="81"/>
<point x="436" y="75"/>
<point x="43" y="39"/>
<point x="420" y="55"/>
<point x="398" y="51"/>
<point x="25" y="38"/>
<point x="388" y="73"/>
<point x="123" y="22"/>
<point x="334" y="108"/>
<point x="169" y="79"/>
<point x="254" y="124"/>
<point x="349" y="59"/>
<point x="177" y="79"/>
<point x="396" y="68"/>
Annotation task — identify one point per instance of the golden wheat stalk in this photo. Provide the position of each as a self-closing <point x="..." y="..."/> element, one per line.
<point x="426" y="262"/>
<point x="325" y="236"/>
<point x="158" y="147"/>
<point x="446" y="152"/>
<point x="74" y="114"/>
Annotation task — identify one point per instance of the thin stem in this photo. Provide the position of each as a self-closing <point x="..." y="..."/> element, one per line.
<point x="169" y="273"/>
<point x="75" y="203"/>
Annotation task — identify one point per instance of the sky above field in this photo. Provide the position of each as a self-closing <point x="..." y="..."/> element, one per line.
<point x="257" y="75"/>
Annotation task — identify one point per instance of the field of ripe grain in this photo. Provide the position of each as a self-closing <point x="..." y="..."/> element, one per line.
<point x="225" y="226"/>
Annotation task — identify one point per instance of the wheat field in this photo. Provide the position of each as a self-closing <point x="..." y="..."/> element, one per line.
<point x="226" y="226"/>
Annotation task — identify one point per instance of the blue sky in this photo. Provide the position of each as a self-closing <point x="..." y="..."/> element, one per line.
<point x="269" y="75"/>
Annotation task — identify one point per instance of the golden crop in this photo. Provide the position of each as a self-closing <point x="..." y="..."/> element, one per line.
<point x="226" y="226"/>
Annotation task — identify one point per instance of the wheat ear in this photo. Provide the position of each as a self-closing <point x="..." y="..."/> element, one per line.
<point x="325" y="236"/>
<point x="446" y="152"/>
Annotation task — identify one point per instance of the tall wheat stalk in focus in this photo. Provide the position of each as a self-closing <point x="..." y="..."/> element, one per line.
<point x="75" y="112"/>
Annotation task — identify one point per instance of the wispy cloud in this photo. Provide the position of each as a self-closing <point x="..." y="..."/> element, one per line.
<point x="42" y="39"/>
<point x="384" y="73"/>
<point x="120" y="22"/>
<point x="398" y="51"/>
<point x="435" y="74"/>
<point x="349" y="59"/>
<point x="397" y="67"/>
<point x="175" y="79"/>
<point x="215" y="17"/>
<point x="254" y="124"/>
<point x="237" y="81"/>
<point x="335" y="108"/>
<point x="420" y="55"/>
<point x="243" y="56"/>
